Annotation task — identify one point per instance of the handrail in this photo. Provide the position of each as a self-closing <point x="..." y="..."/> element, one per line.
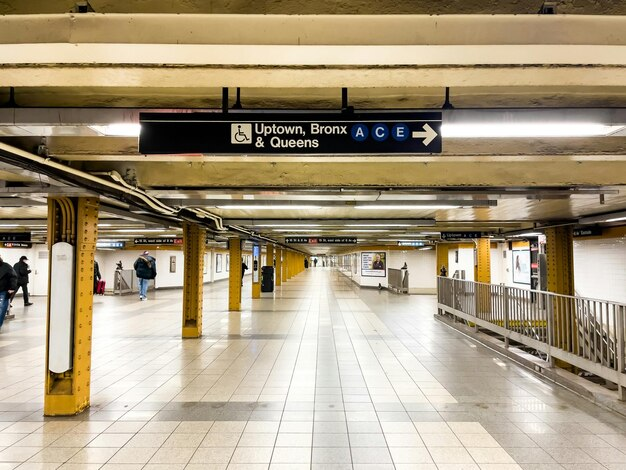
<point x="584" y="332"/>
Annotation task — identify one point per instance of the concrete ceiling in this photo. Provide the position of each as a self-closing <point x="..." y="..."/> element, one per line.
<point x="530" y="181"/>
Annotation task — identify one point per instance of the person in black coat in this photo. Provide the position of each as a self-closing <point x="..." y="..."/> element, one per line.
<point x="145" y="268"/>
<point x="96" y="276"/>
<point x="8" y="286"/>
<point x="23" y="270"/>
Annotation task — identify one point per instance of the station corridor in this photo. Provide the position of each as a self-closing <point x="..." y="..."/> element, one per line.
<point x="325" y="376"/>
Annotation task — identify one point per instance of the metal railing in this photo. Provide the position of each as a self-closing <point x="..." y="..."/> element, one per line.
<point x="398" y="280"/>
<point x="125" y="282"/>
<point x="586" y="333"/>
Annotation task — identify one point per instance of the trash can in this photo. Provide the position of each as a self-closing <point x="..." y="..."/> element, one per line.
<point x="267" y="279"/>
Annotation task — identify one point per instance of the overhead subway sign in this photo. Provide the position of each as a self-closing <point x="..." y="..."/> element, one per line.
<point x="290" y="133"/>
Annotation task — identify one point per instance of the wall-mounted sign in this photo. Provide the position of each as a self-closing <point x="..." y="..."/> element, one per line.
<point x="460" y="235"/>
<point x="110" y="244"/>
<point x="17" y="245"/>
<point x="15" y="237"/>
<point x="411" y="243"/>
<point x="321" y="240"/>
<point x="587" y="232"/>
<point x="374" y="264"/>
<point x="158" y="241"/>
<point x="521" y="266"/>
<point x="290" y="133"/>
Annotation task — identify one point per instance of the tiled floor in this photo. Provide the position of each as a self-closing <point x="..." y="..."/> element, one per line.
<point x="322" y="376"/>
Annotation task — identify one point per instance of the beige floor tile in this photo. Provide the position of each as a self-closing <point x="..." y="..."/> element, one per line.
<point x="18" y="454"/>
<point x="110" y="440"/>
<point x="94" y="455"/>
<point x="257" y="439"/>
<point x="194" y="427"/>
<point x="456" y="455"/>
<point x="215" y="439"/>
<point x="292" y="455"/>
<point x="410" y="455"/>
<point x="172" y="456"/>
<point x="482" y="455"/>
<point x="183" y="440"/>
<point x="212" y="455"/>
<point x="73" y="440"/>
<point x="133" y="455"/>
<point x="252" y="455"/>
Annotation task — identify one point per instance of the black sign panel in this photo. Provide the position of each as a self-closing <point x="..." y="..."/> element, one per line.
<point x="587" y="232"/>
<point x="321" y="240"/>
<point x="158" y="241"/>
<point x="460" y="235"/>
<point x="17" y="245"/>
<point x="290" y="133"/>
<point x="15" y="237"/>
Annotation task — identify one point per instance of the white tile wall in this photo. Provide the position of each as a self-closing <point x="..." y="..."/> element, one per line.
<point x="600" y="268"/>
<point x="466" y="262"/>
<point x="422" y="266"/>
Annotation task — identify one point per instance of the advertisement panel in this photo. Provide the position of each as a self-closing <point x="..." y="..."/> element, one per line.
<point x="374" y="264"/>
<point x="521" y="266"/>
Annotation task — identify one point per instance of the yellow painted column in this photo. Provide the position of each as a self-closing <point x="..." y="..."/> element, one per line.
<point x="482" y="274"/>
<point x="256" y="272"/>
<point x="483" y="267"/>
<point x="269" y="255"/>
<point x="287" y="273"/>
<point x="560" y="261"/>
<point x="235" y="279"/>
<point x="279" y="266"/>
<point x="72" y="222"/>
<point x="443" y="251"/>
<point x="194" y="241"/>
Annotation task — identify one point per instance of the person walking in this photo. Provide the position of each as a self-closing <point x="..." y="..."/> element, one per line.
<point x="145" y="268"/>
<point x="96" y="276"/>
<point x="8" y="286"/>
<point x="22" y="270"/>
<point x="244" y="268"/>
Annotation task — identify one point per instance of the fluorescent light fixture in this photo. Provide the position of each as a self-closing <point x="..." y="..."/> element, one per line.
<point x="105" y="225"/>
<point x="596" y="219"/>
<point x="406" y="206"/>
<point x="9" y="225"/>
<point x="526" y="129"/>
<point x="528" y="234"/>
<point x="377" y="225"/>
<point x="119" y="130"/>
<point x="268" y="207"/>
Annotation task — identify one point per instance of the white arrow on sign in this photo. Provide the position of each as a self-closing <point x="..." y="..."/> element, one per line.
<point x="428" y="135"/>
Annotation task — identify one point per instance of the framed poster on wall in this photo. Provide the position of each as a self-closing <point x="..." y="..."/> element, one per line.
<point x="218" y="263"/>
<point x="521" y="266"/>
<point x="374" y="264"/>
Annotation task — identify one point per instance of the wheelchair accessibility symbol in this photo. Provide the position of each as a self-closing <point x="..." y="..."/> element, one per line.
<point x="241" y="133"/>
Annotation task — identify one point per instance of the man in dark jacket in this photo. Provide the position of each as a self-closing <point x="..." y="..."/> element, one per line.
<point x="145" y="268"/>
<point x="8" y="285"/>
<point x="23" y="270"/>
